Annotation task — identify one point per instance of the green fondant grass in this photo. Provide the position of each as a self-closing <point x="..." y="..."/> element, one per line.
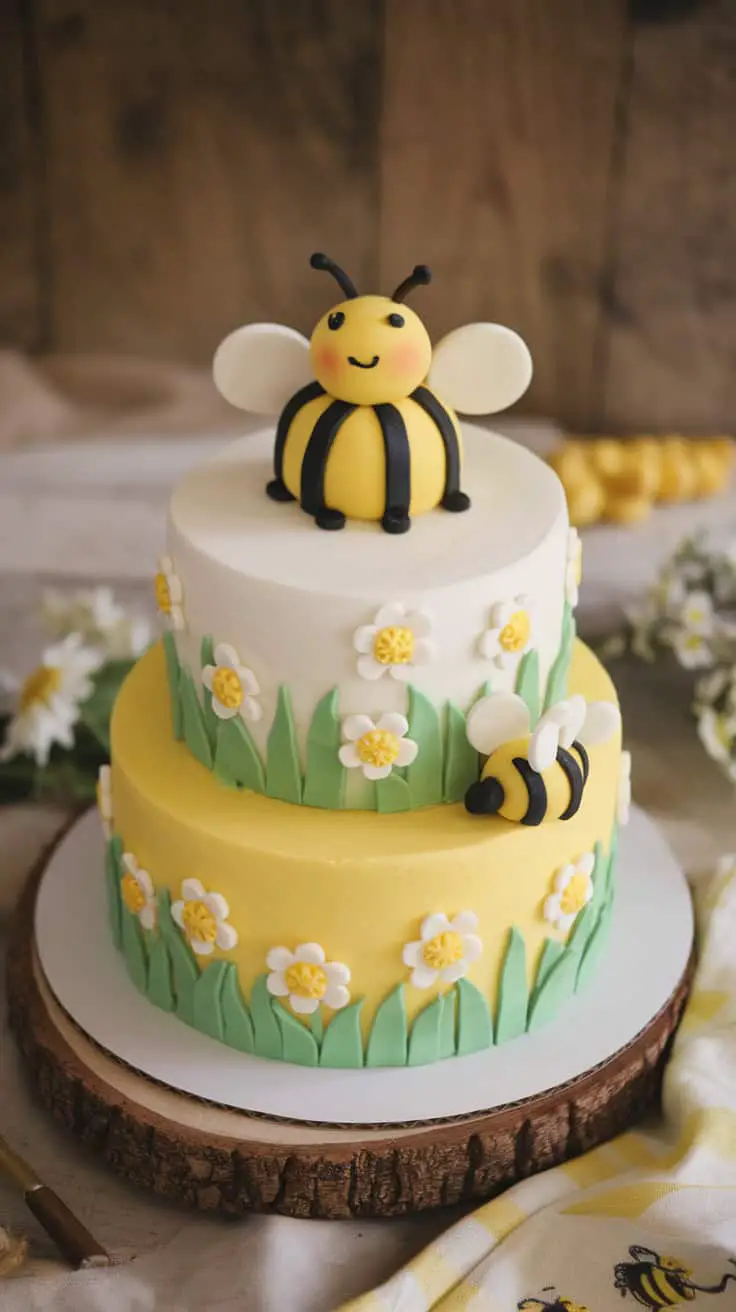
<point x="134" y="951"/>
<point x="283" y="771"/>
<point x="388" y="1036"/>
<point x="113" y="876"/>
<point x="324" y="777"/>
<point x="342" y="1044"/>
<point x="195" y="731"/>
<point x="424" y="1039"/>
<point x="527" y="684"/>
<point x="461" y="758"/>
<point x="317" y="1026"/>
<point x="447" y="1038"/>
<point x="594" y="947"/>
<point x="474" y="1024"/>
<point x="211" y="720"/>
<point x="424" y="776"/>
<point x="184" y="968"/>
<point x="173" y="673"/>
<point x="551" y="953"/>
<point x="237" y="762"/>
<point x="557" y="681"/>
<point x="207" y="1004"/>
<point x="266" y="1030"/>
<point x="557" y="988"/>
<point x="610" y="869"/>
<point x="513" y="993"/>
<point x="298" y="1042"/>
<point x="236" y="1021"/>
<point x="393" y="794"/>
<point x="160" y="989"/>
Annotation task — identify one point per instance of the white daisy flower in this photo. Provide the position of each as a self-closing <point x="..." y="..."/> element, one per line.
<point x="444" y="950"/>
<point x="203" y="917"/>
<point x="574" y="567"/>
<point x="169" y="593"/>
<point x="99" y="619"/>
<point x="696" y="614"/>
<point x="692" y="648"/>
<point x="104" y="800"/>
<point x="623" y="799"/>
<point x="376" y="747"/>
<point x="573" y="889"/>
<point x="396" y="641"/>
<point x="509" y="634"/>
<point x="717" y="733"/>
<point x="137" y="891"/>
<point x="233" y="686"/>
<point x="307" y="979"/>
<point x="49" y="700"/>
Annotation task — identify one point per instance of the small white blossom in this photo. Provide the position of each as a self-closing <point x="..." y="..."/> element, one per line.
<point x="444" y="950"/>
<point x="376" y="746"/>
<point x="307" y="978"/>
<point x="137" y="891"/>
<point x="509" y="634"/>
<point x="49" y="700"/>
<point x="203" y="917"/>
<point x="572" y="890"/>
<point x="99" y="619"/>
<point x="233" y="686"/>
<point x="396" y="642"/>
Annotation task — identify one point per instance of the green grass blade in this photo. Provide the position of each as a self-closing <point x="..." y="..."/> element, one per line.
<point x="393" y="794"/>
<point x="113" y="876"/>
<point x="184" y="967"/>
<point x="207" y="993"/>
<point x="211" y="720"/>
<point x="237" y="762"/>
<point x="424" y="1039"/>
<point x="461" y="758"/>
<point x="236" y="1020"/>
<point x="513" y="993"/>
<point x="551" y="953"/>
<point x="160" y="985"/>
<point x="557" y="681"/>
<point x="173" y="672"/>
<point x="299" y="1045"/>
<point x="448" y="1023"/>
<point x="527" y="684"/>
<point x="556" y="990"/>
<point x="388" y="1037"/>
<point x="195" y="732"/>
<point x="474" y="1024"/>
<point x="595" y="947"/>
<point x="324" y="778"/>
<point x="266" y="1030"/>
<point x="342" y="1045"/>
<point x="134" y="952"/>
<point x="424" y="776"/>
<point x="283" y="771"/>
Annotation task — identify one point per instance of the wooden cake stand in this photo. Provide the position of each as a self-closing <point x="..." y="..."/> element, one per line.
<point x="215" y="1157"/>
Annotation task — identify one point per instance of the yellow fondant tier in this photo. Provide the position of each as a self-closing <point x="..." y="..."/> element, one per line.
<point x="359" y="884"/>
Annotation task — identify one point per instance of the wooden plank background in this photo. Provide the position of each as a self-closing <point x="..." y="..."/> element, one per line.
<point x="567" y="168"/>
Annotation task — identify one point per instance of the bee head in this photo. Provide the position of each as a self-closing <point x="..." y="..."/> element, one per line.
<point x="370" y="350"/>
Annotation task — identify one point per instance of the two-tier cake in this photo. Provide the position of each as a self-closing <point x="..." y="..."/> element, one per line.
<point x="363" y="798"/>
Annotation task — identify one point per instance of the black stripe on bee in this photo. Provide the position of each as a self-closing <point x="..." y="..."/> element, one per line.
<point x="398" y="461"/>
<point x="286" y="419"/>
<point x="536" y="788"/>
<point x="314" y="464"/>
<point x="584" y="759"/>
<point x="437" y="412"/>
<point x="576" y="780"/>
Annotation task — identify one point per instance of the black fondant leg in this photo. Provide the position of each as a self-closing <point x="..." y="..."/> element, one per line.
<point x="484" y="797"/>
<point x="278" y="491"/>
<point x="455" y="502"/>
<point x="329" y="519"/>
<point x="396" y="520"/>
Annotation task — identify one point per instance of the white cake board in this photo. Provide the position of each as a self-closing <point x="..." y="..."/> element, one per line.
<point x="635" y="979"/>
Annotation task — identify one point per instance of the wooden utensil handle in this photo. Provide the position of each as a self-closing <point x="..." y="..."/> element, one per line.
<point x="74" y="1242"/>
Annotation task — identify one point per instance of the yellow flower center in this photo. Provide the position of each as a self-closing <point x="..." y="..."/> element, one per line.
<point x="132" y="894"/>
<point x="227" y="687"/>
<point x="693" y="642"/>
<point x="40" y="686"/>
<point x="514" y="635"/>
<point x="306" y="980"/>
<point x="199" y="922"/>
<point x="393" y="646"/>
<point x="573" y="895"/>
<point x="163" y="593"/>
<point x="724" y="735"/>
<point x="443" y="950"/>
<point x="378" y="747"/>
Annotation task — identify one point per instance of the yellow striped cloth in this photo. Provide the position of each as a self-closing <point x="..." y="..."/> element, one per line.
<point x="648" y="1219"/>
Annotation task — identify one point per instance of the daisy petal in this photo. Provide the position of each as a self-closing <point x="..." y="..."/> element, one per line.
<point x="408" y="750"/>
<point x="364" y="637"/>
<point x="336" y="996"/>
<point x="472" y="947"/>
<point x="552" y="908"/>
<point x="191" y="890"/>
<point x="402" y="673"/>
<point x="433" y="925"/>
<point x="279" y="959"/>
<point x="311" y="952"/>
<point x="249" y="681"/>
<point x="412" y="953"/>
<point x="586" y="864"/>
<point x="349" y="756"/>
<point x="391" y="615"/>
<point x="354" y="726"/>
<point x="392" y="722"/>
<point x="276" y="984"/>
<point x="562" y="878"/>
<point x="376" y="771"/>
<point x="337" y="972"/>
<point x="465" y="922"/>
<point x="226" y="655"/>
<point x="369" y="668"/>
<point x="566" y="922"/>
<point x="217" y="905"/>
<point x="147" y="917"/>
<point x="454" y="972"/>
<point x="251" y="709"/>
<point x="223" y="712"/>
<point x="304" y="1006"/>
<point x="488" y="644"/>
<point x="226" y="937"/>
<point x="501" y="614"/>
<point x="145" y="881"/>
<point x="201" y="948"/>
<point x="177" y="913"/>
<point x="423" y="977"/>
<point x="129" y="863"/>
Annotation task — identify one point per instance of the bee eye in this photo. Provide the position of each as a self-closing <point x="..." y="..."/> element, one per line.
<point x="396" y="320"/>
<point x="336" y="320"/>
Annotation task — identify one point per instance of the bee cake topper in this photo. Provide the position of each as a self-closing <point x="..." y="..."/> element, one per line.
<point x="366" y="426"/>
<point x="535" y="777"/>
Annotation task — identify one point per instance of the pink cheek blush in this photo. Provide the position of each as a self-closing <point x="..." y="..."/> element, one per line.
<point x="328" y="360"/>
<point x="407" y="360"/>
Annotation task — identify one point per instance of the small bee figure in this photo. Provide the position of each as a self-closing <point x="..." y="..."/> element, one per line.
<point x="362" y="432"/>
<point x="534" y="777"/>
<point x="555" y="1304"/>
<point x="658" y="1282"/>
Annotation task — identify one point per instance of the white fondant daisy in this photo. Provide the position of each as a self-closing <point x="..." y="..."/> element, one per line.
<point x="203" y="917"/>
<point x="509" y="634"/>
<point x="717" y="733"/>
<point x="697" y="614"/>
<point x="104" y="799"/>
<point x="169" y="592"/>
<point x="307" y="979"/>
<point x="623" y="800"/>
<point x="573" y="889"/>
<point x="444" y="950"/>
<point x="99" y="619"/>
<point x="376" y="747"/>
<point x="233" y="686"/>
<point x="692" y="648"/>
<point x="137" y="892"/>
<point x="396" y="641"/>
<point x="49" y="699"/>
<point x="574" y="568"/>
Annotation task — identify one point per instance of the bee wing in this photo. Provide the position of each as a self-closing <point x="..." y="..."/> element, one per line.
<point x="498" y="718"/>
<point x="544" y="743"/>
<point x="602" y="721"/>
<point x="570" y="716"/>
<point x="260" y="366"/>
<point x="480" y="368"/>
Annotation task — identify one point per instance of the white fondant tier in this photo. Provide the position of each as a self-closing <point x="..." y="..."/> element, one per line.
<point x="289" y="597"/>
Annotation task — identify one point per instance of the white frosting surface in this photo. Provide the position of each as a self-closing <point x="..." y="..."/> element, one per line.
<point x="289" y="596"/>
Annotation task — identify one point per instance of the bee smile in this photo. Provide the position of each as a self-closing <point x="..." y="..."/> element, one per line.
<point x="359" y="363"/>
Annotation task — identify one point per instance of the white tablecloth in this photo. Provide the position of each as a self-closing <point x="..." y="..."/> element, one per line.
<point x="98" y="513"/>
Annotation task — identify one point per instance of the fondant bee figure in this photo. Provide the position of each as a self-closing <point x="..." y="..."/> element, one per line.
<point x="366" y="429"/>
<point x="534" y="777"/>
<point x="556" y="1304"/>
<point x="658" y="1281"/>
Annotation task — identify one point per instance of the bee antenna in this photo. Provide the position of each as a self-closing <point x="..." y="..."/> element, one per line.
<point x="420" y="276"/>
<point x="320" y="261"/>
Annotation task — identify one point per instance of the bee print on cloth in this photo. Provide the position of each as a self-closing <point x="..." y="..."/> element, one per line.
<point x="658" y="1280"/>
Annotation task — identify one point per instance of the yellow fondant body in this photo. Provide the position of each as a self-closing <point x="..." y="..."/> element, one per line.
<point x="500" y="765"/>
<point x="355" y="482"/>
<point x="402" y="353"/>
<point x="359" y="883"/>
